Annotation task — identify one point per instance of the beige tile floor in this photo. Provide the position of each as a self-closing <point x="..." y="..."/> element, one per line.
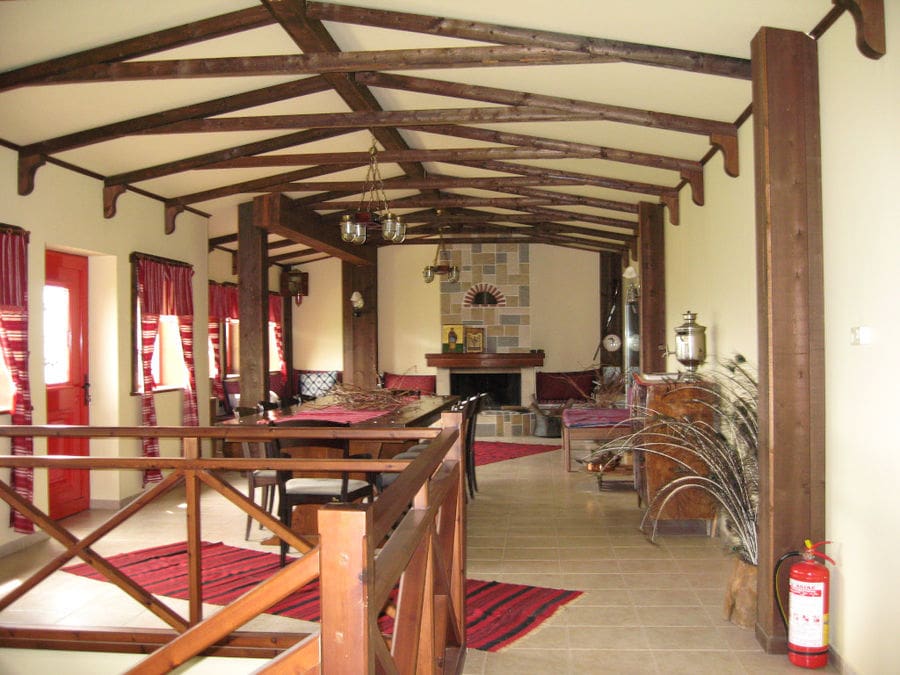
<point x="645" y="609"/>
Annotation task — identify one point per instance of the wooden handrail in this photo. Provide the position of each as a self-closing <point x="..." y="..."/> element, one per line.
<point x="413" y="534"/>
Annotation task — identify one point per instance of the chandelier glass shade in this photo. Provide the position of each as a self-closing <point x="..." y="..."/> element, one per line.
<point x="373" y="211"/>
<point x="440" y="267"/>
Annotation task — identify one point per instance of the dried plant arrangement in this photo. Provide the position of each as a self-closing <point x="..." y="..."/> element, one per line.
<point x="726" y="452"/>
<point x="354" y="397"/>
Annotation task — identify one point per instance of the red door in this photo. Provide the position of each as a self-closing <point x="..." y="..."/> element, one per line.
<point x="65" y="374"/>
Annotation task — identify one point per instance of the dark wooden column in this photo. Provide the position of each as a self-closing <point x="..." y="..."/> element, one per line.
<point x="253" y="300"/>
<point x="611" y="304"/>
<point x="360" y="332"/>
<point x="790" y="305"/>
<point x="653" y="286"/>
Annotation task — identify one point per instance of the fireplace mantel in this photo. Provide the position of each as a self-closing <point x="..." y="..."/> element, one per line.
<point x="485" y="360"/>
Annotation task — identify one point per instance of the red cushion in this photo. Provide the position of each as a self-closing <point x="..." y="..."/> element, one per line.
<point x="424" y="384"/>
<point x="562" y="386"/>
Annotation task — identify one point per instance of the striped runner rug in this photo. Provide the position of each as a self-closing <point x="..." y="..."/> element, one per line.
<point x="497" y="613"/>
<point x="488" y="452"/>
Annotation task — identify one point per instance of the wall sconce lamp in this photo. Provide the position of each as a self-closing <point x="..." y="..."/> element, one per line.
<point x="357" y="303"/>
<point x="295" y="284"/>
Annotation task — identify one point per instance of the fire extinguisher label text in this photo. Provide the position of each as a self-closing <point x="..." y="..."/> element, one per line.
<point x="809" y="623"/>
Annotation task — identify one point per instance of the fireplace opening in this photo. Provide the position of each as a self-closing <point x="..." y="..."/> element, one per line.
<point x="503" y="389"/>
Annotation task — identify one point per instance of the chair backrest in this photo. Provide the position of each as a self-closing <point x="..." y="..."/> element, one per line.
<point x="313" y="448"/>
<point x="424" y="384"/>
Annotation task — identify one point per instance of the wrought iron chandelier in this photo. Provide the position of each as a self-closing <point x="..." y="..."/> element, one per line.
<point x="373" y="211"/>
<point x="441" y="265"/>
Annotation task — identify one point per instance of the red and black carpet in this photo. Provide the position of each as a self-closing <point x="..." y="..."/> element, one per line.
<point x="497" y="613"/>
<point x="488" y="452"/>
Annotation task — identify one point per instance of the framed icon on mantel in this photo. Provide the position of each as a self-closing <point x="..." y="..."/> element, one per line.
<point x="474" y="339"/>
<point x="452" y="338"/>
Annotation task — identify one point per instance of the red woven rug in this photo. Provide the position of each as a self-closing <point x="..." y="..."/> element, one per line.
<point x="497" y="614"/>
<point x="488" y="452"/>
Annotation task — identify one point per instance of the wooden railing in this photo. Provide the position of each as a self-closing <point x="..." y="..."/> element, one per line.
<point x="412" y="538"/>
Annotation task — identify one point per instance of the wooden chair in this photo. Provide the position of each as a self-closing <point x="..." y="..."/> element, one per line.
<point x="315" y="488"/>
<point x="476" y="403"/>
<point x="259" y="478"/>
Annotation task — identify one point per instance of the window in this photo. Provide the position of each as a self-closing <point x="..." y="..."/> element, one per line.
<point x="233" y="348"/>
<point x="167" y="365"/>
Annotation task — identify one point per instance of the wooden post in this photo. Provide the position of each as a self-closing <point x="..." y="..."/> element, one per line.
<point x="652" y="320"/>
<point x="360" y="328"/>
<point x="349" y="624"/>
<point x="253" y="300"/>
<point x="790" y="305"/>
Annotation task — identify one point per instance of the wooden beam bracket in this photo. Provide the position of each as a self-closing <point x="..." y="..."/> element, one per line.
<point x="672" y="204"/>
<point x="868" y="15"/>
<point x="111" y="195"/>
<point x="28" y="166"/>
<point x="172" y="211"/>
<point x="694" y="178"/>
<point x="728" y="144"/>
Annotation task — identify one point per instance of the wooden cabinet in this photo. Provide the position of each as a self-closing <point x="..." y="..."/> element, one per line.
<point x="677" y="399"/>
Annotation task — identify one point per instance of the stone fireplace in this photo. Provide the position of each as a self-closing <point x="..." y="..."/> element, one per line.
<point x="503" y="389"/>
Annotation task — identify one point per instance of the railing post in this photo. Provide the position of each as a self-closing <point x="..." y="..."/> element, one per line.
<point x="191" y="450"/>
<point x="458" y="562"/>
<point x="349" y="623"/>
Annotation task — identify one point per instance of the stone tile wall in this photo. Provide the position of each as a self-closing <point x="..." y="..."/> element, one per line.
<point x="502" y="270"/>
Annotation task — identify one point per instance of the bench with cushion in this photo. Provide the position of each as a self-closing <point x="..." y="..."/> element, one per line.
<point x="595" y="424"/>
<point x="423" y="384"/>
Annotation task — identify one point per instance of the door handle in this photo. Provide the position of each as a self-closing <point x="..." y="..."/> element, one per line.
<point x="86" y="388"/>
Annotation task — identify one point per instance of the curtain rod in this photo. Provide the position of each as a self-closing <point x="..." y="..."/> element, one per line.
<point x="137" y="255"/>
<point x="13" y="229"/>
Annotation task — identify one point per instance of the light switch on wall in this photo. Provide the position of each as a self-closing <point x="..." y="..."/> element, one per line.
<point x="861" y="335"/>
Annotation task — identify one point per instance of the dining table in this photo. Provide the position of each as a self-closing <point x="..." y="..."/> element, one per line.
<point x="414" y="410"/>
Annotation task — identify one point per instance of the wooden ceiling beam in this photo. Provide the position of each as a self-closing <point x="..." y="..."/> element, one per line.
<point x="323" y="62"/>
<point x="373" y="119"/>
<point x="617" y="50"/>
<point x="277" y="215"/>
<point x="31" y="156"/>
<point x="432" y="182"/>
<point x="570" y="177"/>
<point x="214" y="159"/>
<point x="452" y="200"/>
<point x="267" y="184"/>
<point x="151" y="43"/>
<point x="390" y="156"/>
<point x="569" y="148"/>
<point x="604" y="111"/>
<point x="311" y="36"/>
<point x="472" y="217"/>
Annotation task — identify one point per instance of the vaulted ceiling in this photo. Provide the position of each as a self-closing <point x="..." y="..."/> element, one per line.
<point x="499" y="120"/>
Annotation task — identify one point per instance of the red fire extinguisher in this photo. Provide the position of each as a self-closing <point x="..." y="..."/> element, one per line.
<point x="808" y="587"/>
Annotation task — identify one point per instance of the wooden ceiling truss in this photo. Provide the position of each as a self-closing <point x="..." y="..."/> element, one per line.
<point x="515" y="202"/>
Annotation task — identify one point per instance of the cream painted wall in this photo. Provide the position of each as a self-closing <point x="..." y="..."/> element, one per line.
<point x="65" y="212"/>
<point x="710" y="269"/>
<point x="711" y="260"/>
<point x="409" y="310"/>
<point x="860" y="102"/>
<point x="565" y="306"/>
<point x="318" y="326"/>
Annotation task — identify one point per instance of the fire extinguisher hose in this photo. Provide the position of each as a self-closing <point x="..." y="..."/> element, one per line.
<point x="778" y="564"/>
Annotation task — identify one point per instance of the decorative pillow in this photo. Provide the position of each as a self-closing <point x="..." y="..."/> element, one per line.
<point x="316" y="383"/>
<point x="424" y="384"/>
<point x="562" y="386"/>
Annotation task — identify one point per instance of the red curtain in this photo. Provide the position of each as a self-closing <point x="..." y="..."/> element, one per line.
<point x="164" y="288"/>
<point x="14" y="343"/>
